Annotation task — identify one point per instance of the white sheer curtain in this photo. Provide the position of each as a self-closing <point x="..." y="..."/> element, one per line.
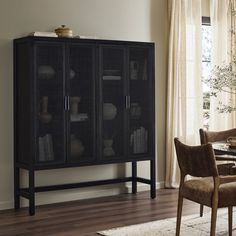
<point x="184" y="101"/>
<point x="223" y="50"/>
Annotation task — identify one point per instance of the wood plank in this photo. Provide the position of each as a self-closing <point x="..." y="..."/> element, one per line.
<point x="85" y="217"/>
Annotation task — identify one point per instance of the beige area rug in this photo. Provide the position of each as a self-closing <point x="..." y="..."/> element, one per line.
<point x="192" y="225"/>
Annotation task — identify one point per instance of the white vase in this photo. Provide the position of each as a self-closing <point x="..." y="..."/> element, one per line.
<point x="45" y="116"/>
<point x="109" y="111"/>
<point x="108" y="150"/>
<point x="76" y="146"/>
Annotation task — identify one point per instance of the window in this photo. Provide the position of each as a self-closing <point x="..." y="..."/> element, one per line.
<point x="206" y="67"/>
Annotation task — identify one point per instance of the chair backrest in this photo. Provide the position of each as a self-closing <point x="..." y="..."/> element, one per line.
<point x="198" y="161"/>
<point x="214" y="136"/>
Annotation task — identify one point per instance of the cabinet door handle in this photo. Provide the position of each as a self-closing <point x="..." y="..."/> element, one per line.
<point x="127" y="102"/>
<point x="68" y="103"/>
<point x="65" y="103"/>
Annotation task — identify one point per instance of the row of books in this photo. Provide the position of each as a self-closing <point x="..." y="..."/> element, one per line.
<point x="46" y="148"/>
<point x="139" y="140"/>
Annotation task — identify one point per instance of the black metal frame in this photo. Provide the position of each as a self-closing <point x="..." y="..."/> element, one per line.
<point x="32" y="167"/>
<point x="29" y="193"/>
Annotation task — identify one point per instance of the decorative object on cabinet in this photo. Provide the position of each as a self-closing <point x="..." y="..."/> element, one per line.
<point x="134" y="70"/>
<point x="135" y="110"/>
<point x="139" y="140"/>
<point x="46" y="72"/>
<point x="45" y="117"/>
<point x="108" y="150"/>
<point x="46" y="148"/>
<point x="75" y="115"/>
<point x="76" y="146"/>
<point x="85" y="121"/>
<point x="72" y="74"/>
<point x="111" y="75"/>
<point x="64" y="31"/>
<point x="109" y="111"/>
<point x="74" y="107"/>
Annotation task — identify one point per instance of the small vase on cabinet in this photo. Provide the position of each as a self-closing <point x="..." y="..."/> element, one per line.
<point x="108" y="150"/>
<point x="45" y="116"/>
<point x="76" y="146"/>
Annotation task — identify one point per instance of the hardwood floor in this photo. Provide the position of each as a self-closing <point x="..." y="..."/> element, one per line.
<point x="85" y="217"/>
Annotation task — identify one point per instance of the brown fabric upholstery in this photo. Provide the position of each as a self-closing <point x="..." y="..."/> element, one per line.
<point x="212" y="190"/>
<point x="201" y="191"/>
<point x="196" y="161"/>
<point x="214" y="136"/>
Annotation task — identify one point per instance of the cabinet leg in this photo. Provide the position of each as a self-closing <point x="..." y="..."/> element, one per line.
<point x="32" y="193"/>
<point x="16" y="187"/>
<point x="153" y="178"/>
<point x="134" y="175"/>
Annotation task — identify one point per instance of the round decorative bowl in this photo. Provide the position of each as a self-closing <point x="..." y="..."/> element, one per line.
<point x="63" y="31"/>
<point x="46" y="72"/>
<point x="109" y="111"/>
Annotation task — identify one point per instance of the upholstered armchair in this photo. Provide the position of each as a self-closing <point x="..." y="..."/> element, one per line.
<point x="211" y="189"/>
<point x="214" y="136"/>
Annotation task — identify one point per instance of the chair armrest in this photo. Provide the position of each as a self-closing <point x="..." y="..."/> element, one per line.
<point x="227" y="179"/>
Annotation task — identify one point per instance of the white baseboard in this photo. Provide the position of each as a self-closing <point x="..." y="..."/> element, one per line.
<point x="4" y="205"/>
<point x="72" y="195"/>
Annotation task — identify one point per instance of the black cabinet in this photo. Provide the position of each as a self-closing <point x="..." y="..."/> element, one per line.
<point x="81" y="102"/>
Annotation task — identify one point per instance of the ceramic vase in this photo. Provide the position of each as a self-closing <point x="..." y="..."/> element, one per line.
<point x="108" y="150"/>
<point x="109" y="111"/>
<point x="76" y="146"/>
<point x="45" y="116"/>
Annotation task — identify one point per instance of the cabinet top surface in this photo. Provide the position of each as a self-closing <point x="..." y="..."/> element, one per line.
<point x="81" y="40"/>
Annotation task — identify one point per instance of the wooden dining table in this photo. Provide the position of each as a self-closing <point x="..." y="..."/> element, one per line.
<point x="228" y="153"/>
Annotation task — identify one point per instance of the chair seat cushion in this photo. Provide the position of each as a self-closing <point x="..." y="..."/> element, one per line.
<point x="201" y="191"/>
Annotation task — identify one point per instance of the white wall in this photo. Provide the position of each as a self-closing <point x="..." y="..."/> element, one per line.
<point x="142" y="20"/>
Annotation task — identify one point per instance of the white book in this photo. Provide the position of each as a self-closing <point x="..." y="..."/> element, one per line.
<point x="43" y="34"/>
<point x="48" y="147"/>
<point x="142" y="148"/>
<point x="135" y="142"/>
<point x="139" y="141"/>
<point x="146" y="141"/>
<point x="41" y="149"/>
<point x="50" y="144"/>
<point x="85" y="37"/>
<point x="111" y="77"/>
<point x="132" y="139"/>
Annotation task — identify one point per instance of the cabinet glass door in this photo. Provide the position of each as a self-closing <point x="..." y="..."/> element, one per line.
<point x="81" y="104"/>
<point x="50" y="104"/>
<point x="140" y="102"/>
<point x="112" y="87"/>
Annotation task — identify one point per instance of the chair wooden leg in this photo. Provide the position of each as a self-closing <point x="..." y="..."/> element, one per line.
<point x="213" y="220"/>
<point x="230" y="219"/>
<point x="201" y="210"/>
<point x="179" y="214"/>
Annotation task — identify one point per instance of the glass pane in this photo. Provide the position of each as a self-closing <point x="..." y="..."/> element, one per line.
<point x="113" y="102"/>
<point x="50" y="97"/>
<point x="81" y="104"/>
<point x="140" y="107"/>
